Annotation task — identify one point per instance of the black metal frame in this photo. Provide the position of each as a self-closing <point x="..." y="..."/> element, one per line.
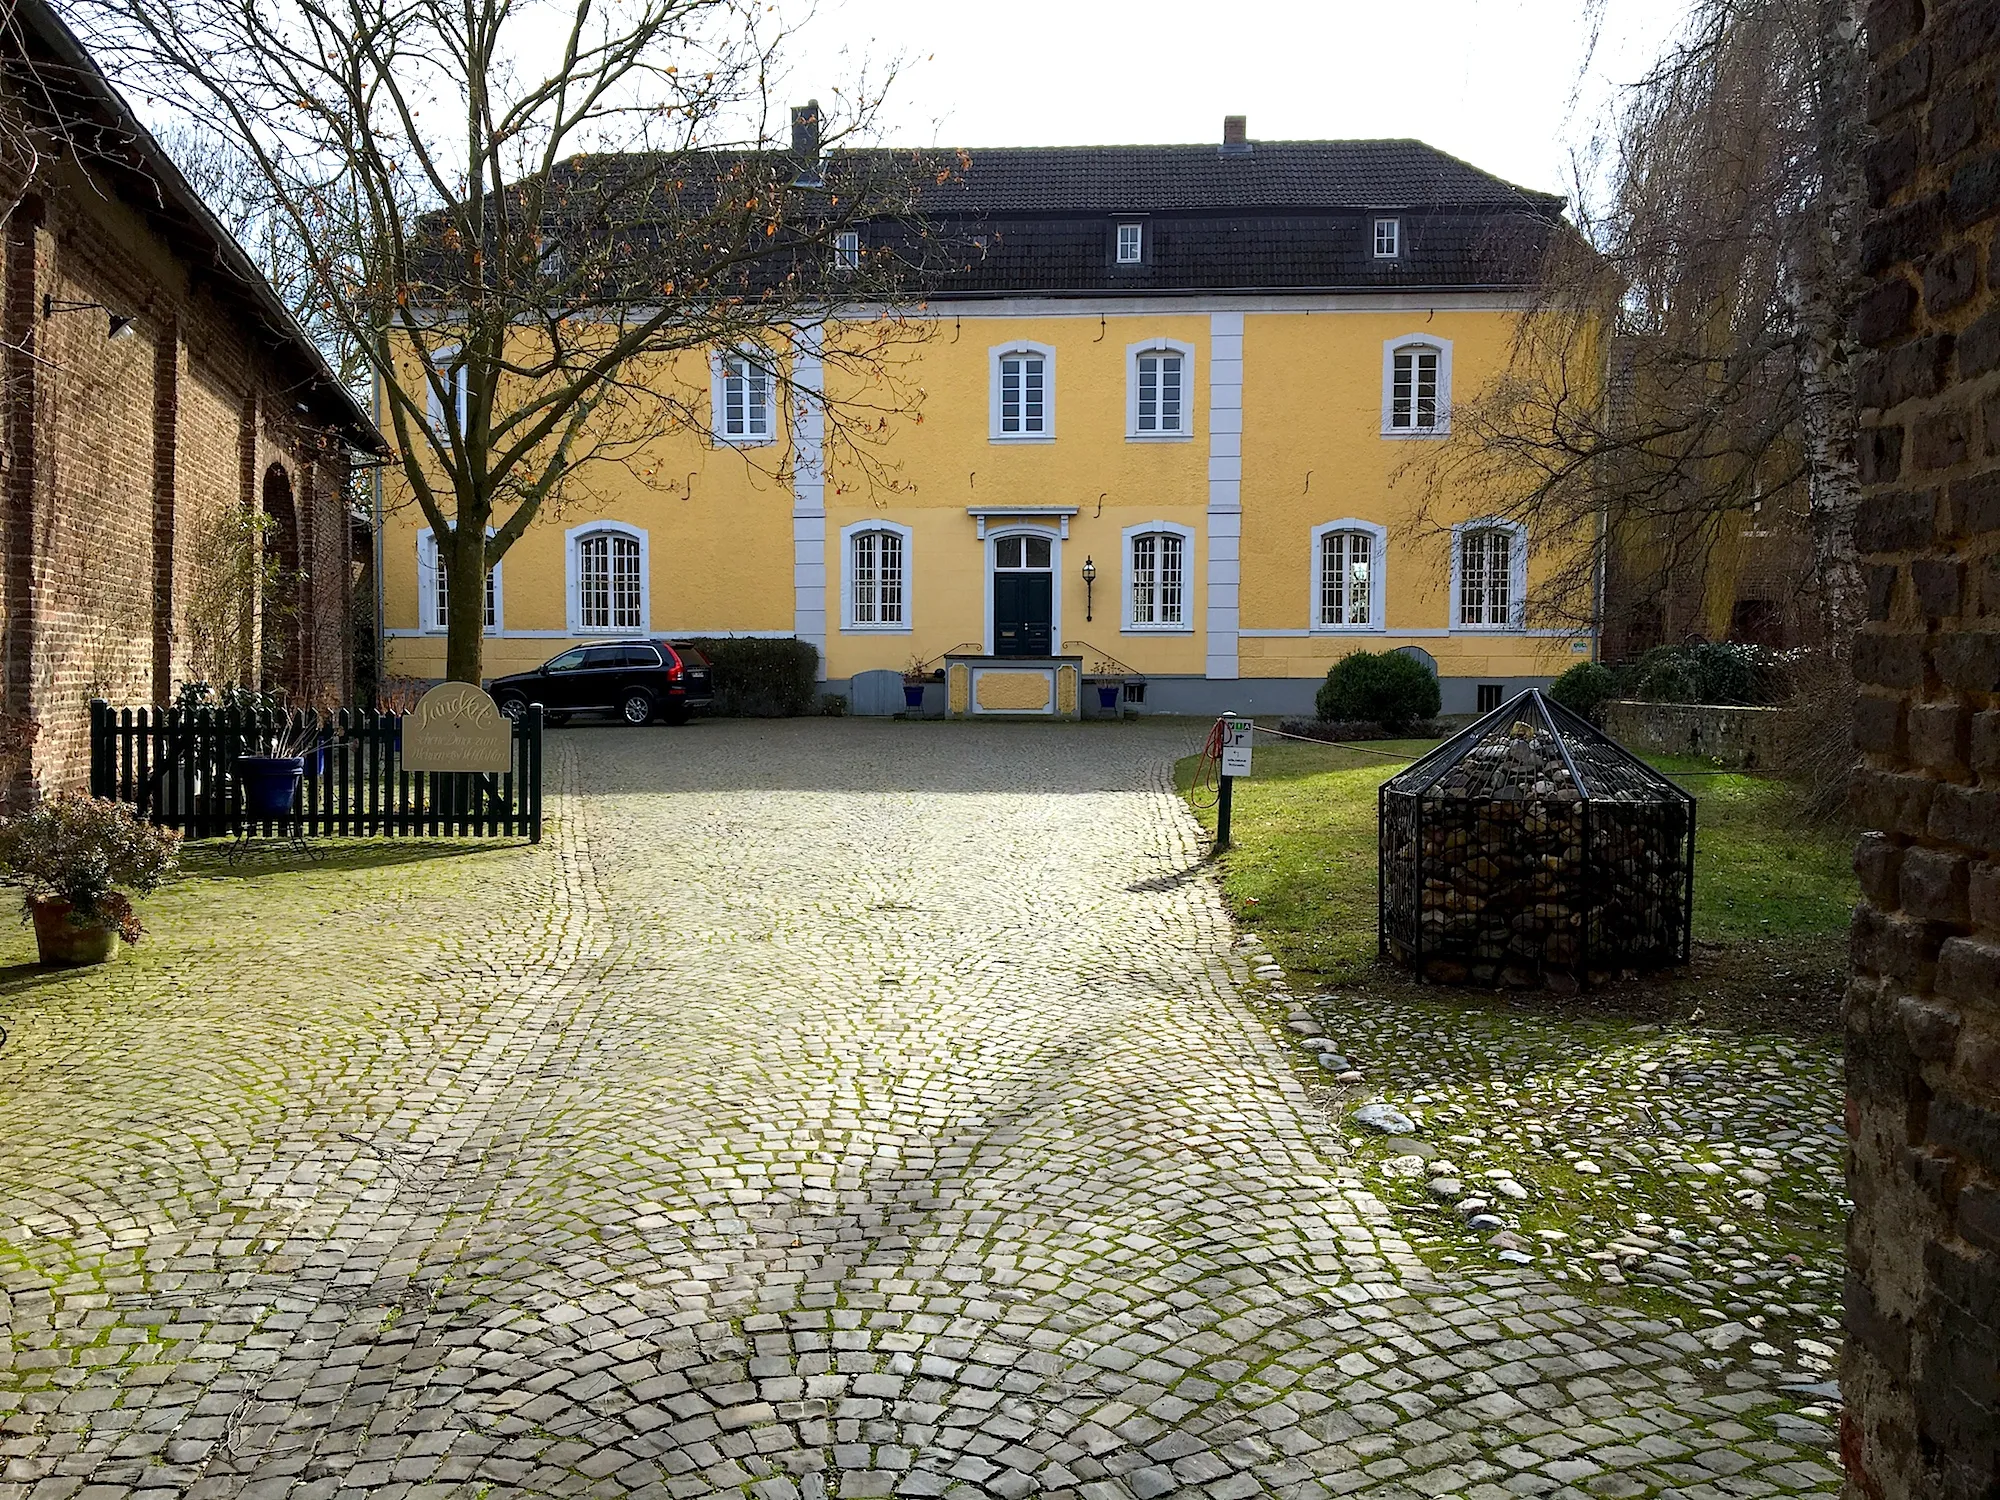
<point x="1402" y="802"/>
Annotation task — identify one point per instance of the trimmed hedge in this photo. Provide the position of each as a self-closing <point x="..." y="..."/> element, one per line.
<point x="1584" y="690"/>
<point x="1383" y="687"/>
<point x="757" y="677"/>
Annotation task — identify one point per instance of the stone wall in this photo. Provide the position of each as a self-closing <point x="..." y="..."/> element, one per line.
<point x="1922" y="1362"/>
<point x="1728" y="733"/>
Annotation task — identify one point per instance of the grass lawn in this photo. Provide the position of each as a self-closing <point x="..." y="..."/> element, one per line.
<point x="1303" y="869"/>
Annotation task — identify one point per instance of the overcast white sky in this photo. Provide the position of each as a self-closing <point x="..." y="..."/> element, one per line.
<point x="1493" y="81"/>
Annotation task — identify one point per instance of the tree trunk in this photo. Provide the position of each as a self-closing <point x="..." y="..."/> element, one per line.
<point x="465" y="603"/>
<point x="1825" y="282"/>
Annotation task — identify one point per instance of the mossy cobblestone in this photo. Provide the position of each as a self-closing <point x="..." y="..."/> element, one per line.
<point x="827" y="1109"/>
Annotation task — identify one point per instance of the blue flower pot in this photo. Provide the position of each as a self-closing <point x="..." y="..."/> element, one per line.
<point x="1107" y="696"/>
<point x="270" y="783"/>
<point x="913" y="695"/>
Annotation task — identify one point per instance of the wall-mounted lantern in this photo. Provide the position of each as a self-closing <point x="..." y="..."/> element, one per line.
<point x="120" y="324"/>
<point x="1089" y="579"/>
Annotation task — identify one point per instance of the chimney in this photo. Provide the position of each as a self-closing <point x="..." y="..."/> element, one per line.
<point x="805" y="131"/>
<point x="1235" y="135"/>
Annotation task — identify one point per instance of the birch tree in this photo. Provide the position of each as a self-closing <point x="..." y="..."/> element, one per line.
<point x="521" y="213"/>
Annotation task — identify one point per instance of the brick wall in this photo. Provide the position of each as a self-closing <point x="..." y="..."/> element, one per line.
<point x="122" y="456"/>
<point x="1922" y="1365"/>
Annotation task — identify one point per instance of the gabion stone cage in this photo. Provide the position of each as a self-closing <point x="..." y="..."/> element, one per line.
<point x="1531" y="843"/>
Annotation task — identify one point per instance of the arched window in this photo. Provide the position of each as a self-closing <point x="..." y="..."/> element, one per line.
<point x="1489" y="575"/>
<point x="607" y="578"/>
<point x="743" y="397"/>
<point x="1023" y="394"/>
<point x="1157" y="558"/>
<point x="1416" y="386"/>
<point x="1159" y="375"/>
<point x="434" y="591"/>
<point x="1347" y="591"/>
<point x="877" y="595"/>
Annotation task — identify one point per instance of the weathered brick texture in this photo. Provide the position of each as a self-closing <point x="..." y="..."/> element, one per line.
<point x="1922" y="1370"/>
<point x="126" y="458"/>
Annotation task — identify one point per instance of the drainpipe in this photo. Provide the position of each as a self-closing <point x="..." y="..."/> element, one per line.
<point x="381" y="615"/>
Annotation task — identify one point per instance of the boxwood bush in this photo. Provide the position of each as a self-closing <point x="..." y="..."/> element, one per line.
<point x="1384" y="687"/>
<point x="1584" y="690"/>
<point x="761" y="678"/>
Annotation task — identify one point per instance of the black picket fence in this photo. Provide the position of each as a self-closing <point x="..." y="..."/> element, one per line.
<point x="177" y="768"/>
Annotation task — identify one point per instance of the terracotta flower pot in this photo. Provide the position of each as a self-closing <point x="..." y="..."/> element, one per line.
<point x="62" y="941"/>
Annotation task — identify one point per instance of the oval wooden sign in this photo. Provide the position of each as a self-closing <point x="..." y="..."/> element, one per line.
<point x="455" y="727"/>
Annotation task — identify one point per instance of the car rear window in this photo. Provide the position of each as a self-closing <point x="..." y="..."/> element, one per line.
<point x="690" y="657"/>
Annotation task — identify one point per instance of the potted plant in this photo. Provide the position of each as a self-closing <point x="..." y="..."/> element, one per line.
<point x="1107" y="696"/>
<point x="77" y="858"/>
<point x="271" y="774"/>
<point x="916" y="677"/>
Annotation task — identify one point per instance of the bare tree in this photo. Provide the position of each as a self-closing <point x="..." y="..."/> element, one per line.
<point x="534" y="220"/>
<point x="1685" y="360"/>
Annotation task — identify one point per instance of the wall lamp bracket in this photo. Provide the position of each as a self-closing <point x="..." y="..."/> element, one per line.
<point x="120" y="324"/>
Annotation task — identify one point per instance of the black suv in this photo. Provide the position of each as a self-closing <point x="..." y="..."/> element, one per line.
<point x="638" y="681"/>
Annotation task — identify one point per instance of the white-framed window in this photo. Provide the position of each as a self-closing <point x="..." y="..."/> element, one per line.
<point x="1489" y="575"/>
<point x="1159" y="560"/>
<point x="1023" y="394"/>
<point x="1347" y="582"/>
<point x="1159" y="376"/>
<point x="434" y="587"/>
<point x="449" y="363"/>
<point x="1131" y="244"/>
<point x="1416" y="386"/>
<point x="745" y="403"/>
<point x="608" y="592"/>
<point x="876" y="563"/>
<point x="847" y="250"/>
<point x="1388" y="238"/>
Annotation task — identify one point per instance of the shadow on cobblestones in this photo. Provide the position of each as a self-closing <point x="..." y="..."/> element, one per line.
<point x="826" y="1110"/>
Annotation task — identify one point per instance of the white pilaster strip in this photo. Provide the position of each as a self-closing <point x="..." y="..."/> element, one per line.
<point x="1225" y="488"/>
<point x="808" y="439"/>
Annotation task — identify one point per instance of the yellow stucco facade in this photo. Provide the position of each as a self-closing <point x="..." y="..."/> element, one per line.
<point x="1284" y="432"/>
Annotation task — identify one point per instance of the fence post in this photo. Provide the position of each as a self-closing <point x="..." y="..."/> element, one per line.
<point x="100" y="739"/>
<point x="533" y="721"/>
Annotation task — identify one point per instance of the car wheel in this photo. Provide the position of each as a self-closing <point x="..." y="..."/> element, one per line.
<point x="636" y="709"/>
<point x="513" y="706"/>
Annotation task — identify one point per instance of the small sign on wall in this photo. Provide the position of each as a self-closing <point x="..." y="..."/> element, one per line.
<point x="456" y="727"/>
<point x="1236" y="734"/>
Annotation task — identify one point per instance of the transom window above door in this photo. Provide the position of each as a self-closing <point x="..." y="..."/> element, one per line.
<point x="1017" y="553"/>
<point x="1023" y="394"/>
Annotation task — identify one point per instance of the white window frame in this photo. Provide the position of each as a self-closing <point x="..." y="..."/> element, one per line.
<point x="848" y="623"/>
<point x="1126" y="624"/>
<point x="1389" y="232"/>
<point x="1136" y="244"/>
<point x="760" y="360"/>
<point x="1517" y="574"/>
<point x="1377" y="577"/>
<point x="454" y="378"/>
<point x="427" y="588"/>
<point x="1133" y="353"/>
<point x="1415" y="341"/>
<point x="573" y="579"/>
<point x="1000" y="352"/>
<point x="847" y="250"/>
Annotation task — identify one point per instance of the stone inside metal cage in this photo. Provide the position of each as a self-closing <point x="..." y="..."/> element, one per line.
<point x="1531" y="842"/>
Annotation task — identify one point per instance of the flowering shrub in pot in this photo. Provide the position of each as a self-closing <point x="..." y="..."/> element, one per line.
<point x="80" y="861"/>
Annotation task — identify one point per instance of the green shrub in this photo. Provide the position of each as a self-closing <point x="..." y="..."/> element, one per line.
<point x="757" y="677"/>
<point x="1584" y="689"/>
<point x="82" y="850"/>
<point x="1711" y="672"/>
<point x="1383" y="687"/>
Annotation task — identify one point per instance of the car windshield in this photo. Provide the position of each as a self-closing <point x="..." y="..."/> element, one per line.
<point x="569" y="661"/>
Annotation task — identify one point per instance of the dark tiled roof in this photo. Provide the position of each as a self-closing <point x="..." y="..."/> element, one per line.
<point x="1271" y="175"/>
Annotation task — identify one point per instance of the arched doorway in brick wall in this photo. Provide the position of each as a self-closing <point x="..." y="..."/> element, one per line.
<point x="284" y="627"/>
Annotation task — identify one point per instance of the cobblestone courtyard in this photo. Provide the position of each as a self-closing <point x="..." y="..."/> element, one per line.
<point x="828" y="1109"/>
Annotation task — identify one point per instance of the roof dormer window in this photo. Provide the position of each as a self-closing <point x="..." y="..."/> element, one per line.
<point x="1388" y="239"/>
<point x="1131" y="244"/>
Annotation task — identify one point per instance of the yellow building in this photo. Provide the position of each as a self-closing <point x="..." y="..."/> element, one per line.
<point x="1167" y="422"/>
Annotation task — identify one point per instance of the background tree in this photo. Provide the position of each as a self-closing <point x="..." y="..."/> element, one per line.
<point x="521" y="213"/>
<point x="1686" y="358"/>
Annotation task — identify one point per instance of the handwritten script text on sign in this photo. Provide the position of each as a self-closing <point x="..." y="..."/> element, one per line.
<point x="455" y="727"/>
